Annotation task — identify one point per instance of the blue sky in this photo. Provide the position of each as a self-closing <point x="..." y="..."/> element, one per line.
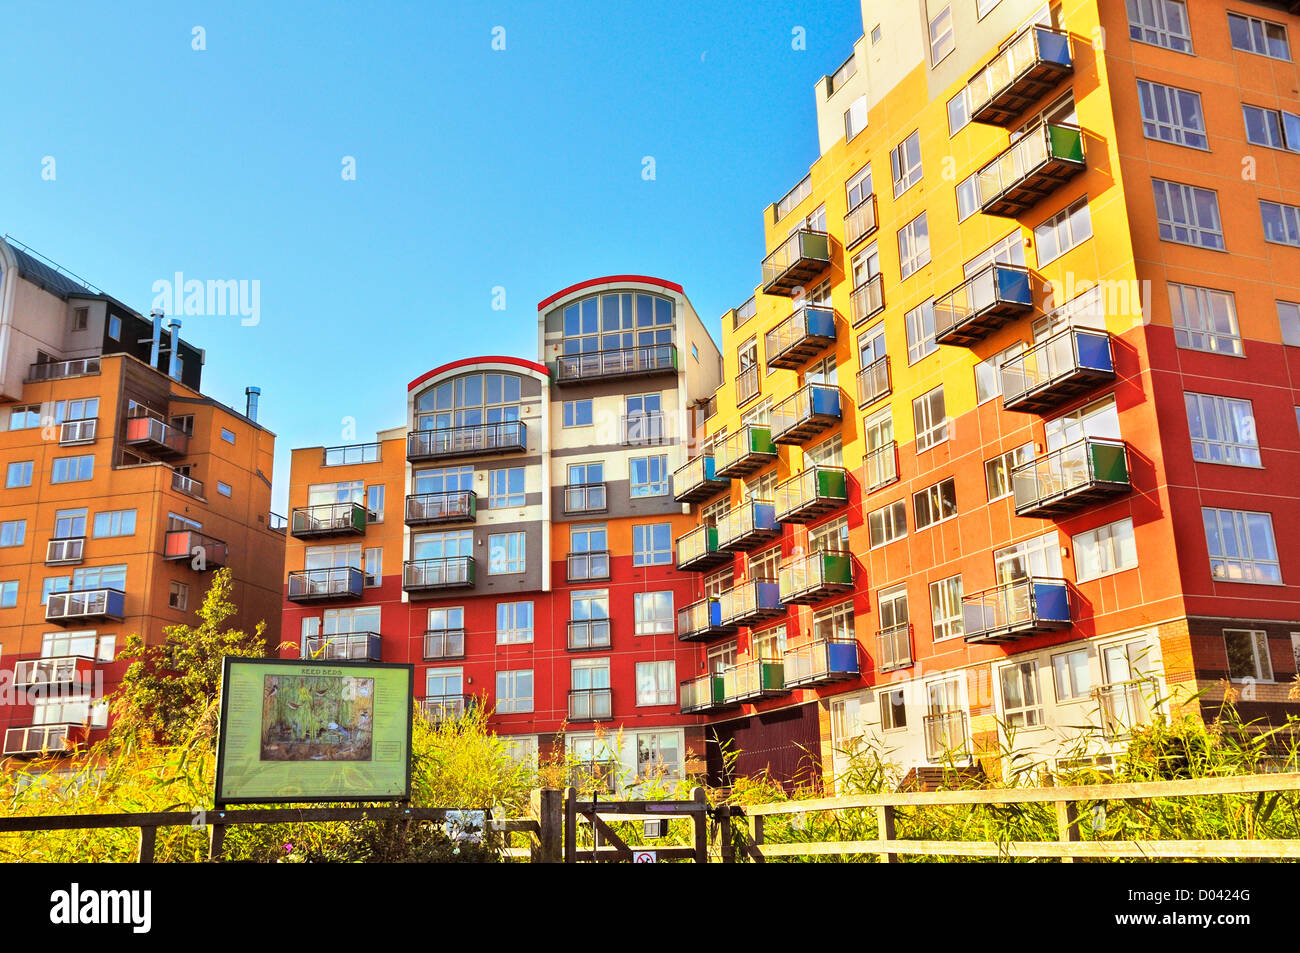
<point x="475" y="169"/>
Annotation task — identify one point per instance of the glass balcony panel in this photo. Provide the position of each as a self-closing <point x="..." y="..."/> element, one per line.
<point x="801" y="257"/>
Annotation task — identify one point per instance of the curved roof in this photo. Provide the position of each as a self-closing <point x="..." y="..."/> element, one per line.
<point x="610" y="279"/>
<point x="472" y="361"/>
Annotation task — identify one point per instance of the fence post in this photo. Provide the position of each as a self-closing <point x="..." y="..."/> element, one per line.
<point x="885" y="819"/>
<point x="548" y="811"/>
<point x="759" y="820"/>
<point x="700" y="800"/>
<point x="724" y="835"/>
<point x="148" y="835"/>
<point x="1067" y="824"/>
<point x="216" y="836"/>
<point x="570" y="826"/>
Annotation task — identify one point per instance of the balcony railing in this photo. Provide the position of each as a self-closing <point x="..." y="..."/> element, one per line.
<point x="158" y="439"/>
<point x="1022" y="73"/>
<point x="43" y="739"/>
<point x="983" y="303"/>
<point x="867" y="300"/>
<point x="702" y="621"/>
<point x="325" y="585"/>
<point x="638" y="361"/>
<point x="740" y="316"/>
<point x="588" y="567"/>
<point x="820" y="663"/>
<point x="697" y="480"/>
<point x="1071" y="362"/>
<point x="85" y="605"/>
<point x="506" y="436"/>
<point x="1126" y="706"/>
<point x="698" y="550"/>
<point x="811" y="494"/>
<point x="585" y="498"/>
<point x="747" y="384"/>
<point x="748" y="449"/>
<point x="189" y="545"/>
<point x="880" y="466"/>
<point x="1016" y="609"/>
<point x="706" y="693"/>
<point x="796" y="261"/>
<point x="749" y="602"/>
<point x="1068" y="479"/>
<point x="1035" y="166"/>
<point x="812" y="409"/>
<point x="358" y="646"/>
<point x="443" y="572"/>
<point x="649" y="429"/>
<point x="71" y="549"/>
<point x="57" y="370"/>
<point x="799" y="338"/>
<point x="860" y="221"/>
<point x="70" y="674"/>
<point x="328" y="519"/>
<point x="588" y="634"/>
<point x="590" y="704"/>
<point x="75" y="432"/>
<point x="874" y="382"/>
<point x="945" y="735"/>
<point x="894" y="647"/>
<point x="747" y="525"/>
<point x="444" y="644"/>
<point x="350" y="454"/>
<point x="809" y="579"/>
<point x="437" y="708"/>
<point x="447" y="506"/>
<point x="187" y="485"/>
<point x="750" y="681"/>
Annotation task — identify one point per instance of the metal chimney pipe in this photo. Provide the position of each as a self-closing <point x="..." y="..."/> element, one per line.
<point x="252" y="393"/>
<point x="174" y="364"/>
<point x="157" y="316"/>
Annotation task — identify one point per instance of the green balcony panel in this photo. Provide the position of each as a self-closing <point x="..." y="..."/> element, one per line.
<point x="747" y="450"/>
<point x="796" y="261"/>
<point x="1035" y="166"/>
<point x="811" y="494"/>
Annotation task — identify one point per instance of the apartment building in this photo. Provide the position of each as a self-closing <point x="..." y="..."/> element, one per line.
<point x="513" y="539"/>
<point x="125" y="488"/>
<point x="1008" y="443"/>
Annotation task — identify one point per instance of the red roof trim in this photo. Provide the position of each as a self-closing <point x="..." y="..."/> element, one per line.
<point x="471" y="361"/>
<point x="590" y="282"/>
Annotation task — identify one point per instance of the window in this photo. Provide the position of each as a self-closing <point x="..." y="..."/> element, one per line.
<point x="652" y="544"/>
<point x="968" y="196"/>
<point x="930" y="418"/>
<point x="834" y="624"/>
<point x="577" y="413"/>
<point x="373" y="566"/>
<point x="99" y="577"/>
<point x="1063" y="231"/>
<point x="506" y="487"/>
<point x="1073" y="678"/>
<point x="887" y="524"/>
<point x="958" y="112"/>
<point x="656" y="683"/>
<point x="1021" y="704"/>
<point x="114" y="523"/>
<point x="1008" y="249"/>
<point x="654" y="613"/>
<point x="913" y="246"/>
<point x="1223" y="430"/>
<point x="69" y="524"/>
<point x="905" y="163"/>
<point x="514" y="623"/>
<point x="1281" y="223"/>
<point x="858" y="187"/>
<point x="875" y="34"/>
<point x="941" y="35"/>
<point x="515" y="691"/>
<point x="855" y="117"/>
<point x="648" y="476"/>
<point x="52" y="584"/>
<point x="80" y="318"/>
<point x="893" y="710"/>
<point x="1035" y="558"/>
<point x="1274" y="128"/>
<point x="178" y="597"/>
<point x="227" y="435"/>
<point x="1241" y="546"/>
<point x="1160" y="23"/>
<point x="8" y="594"/>
<point x="919" y="323"/>
<point x="13" y="532"/>
<point x="945" y="608"/>
<point x="1188" y="215"/>
<point x="625" y="320"/>
<point x="988" y="374"/>
<point x="72" y="469"/>
<point x="223" y="488"/>
<point x="19" y="474"/>
<point x="1248" y="655"/>
<point x="350" y="455"/>
<point x="589" y="679"/>
<point x="1104" y="550"/>
<point x="375" y="503"/>
<point x="505" y="553"/>
<point x="1254" y="35"/>
<point x="1288" y="317"/>
<point x="114" y="327"/>
<point x="997" y="472"/>
<point x="521" y="749"/>
<point x="935" y="504"/>
<point x="658" y="755"/>
<point x="25" y="418"/>
<point x="1172" y="115"/>
<point x="1204" y="319"/>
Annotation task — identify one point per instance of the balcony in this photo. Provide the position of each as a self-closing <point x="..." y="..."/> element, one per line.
<point x="444" y="572"/>
<point x="809" y="579"/>
<point x="1017" y="609"/>
<point x="874" y="382"/>
<point x="820" y="663"/>
<point x="588" y="634"/>
<point x="860" y="221"/>
<point x="585" y="498"/>
<point x="747" y="384"/>
<point x="187" y="485"/>
<point x="807" y="412"/>
<point x="797" y="260"/>
<point x="640" y="361"/>
<point x="588" y="567"/>
<point x="590" y="704"/>
<point x="982" y="303"/>
<point x="74" y="433"/>
<point x="747" y="525"/>
<point x="1125" y="707"/>
<point x="186" y="544"/>
<point x="945" y="735"/>
<point x="328" y="519"/>
<point x="1071" y="478"/>
<point x="698" y="550"/>
<point x="69" y="674"/>
<point x="1023" y="72"/>
<point x="799" y="338"/>
<point x="647" y="429"/>
<point x="747" y="603"/>
<point x="155" y="438"/>
<point x="748" y="449"/>
<point x="1066" y="365"/>
<point x="697" y="480"/>
<point x="325" y="585"/>
<point x="66" y="551"/>
<point x="85" y="605"/>
<point x="345" y="646"/>
<point x="702" y="621"/>
<point x="439" y="708"/>
<point x="472" y="440"/>
<point x="57" y="370"/>
<point x="894" y="647"/>
<point x="867" y="300"/>
<point x="43" y="739"/>
<point x="811" y="494"/>
<point x="752" y="681"/>
<point x="441" y="509"/>
<point x="880" y="466"/>
<point x="442" y="644"/>
<point x="703" y="694"/>
<point x="1035" y="166"/>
